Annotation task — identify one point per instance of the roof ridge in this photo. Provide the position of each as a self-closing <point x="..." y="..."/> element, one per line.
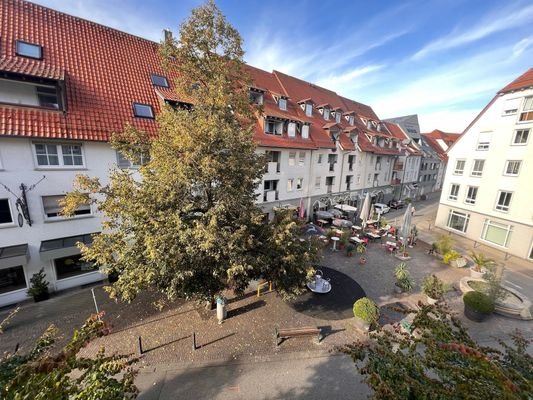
<point x="313" y="85"/>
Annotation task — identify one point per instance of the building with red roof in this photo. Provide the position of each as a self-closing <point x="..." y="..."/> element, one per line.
<point x="487" y="194"/>
<point x="67" y="84"/>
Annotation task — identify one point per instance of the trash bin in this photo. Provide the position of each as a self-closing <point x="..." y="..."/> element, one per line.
<point x="222" y="312"/>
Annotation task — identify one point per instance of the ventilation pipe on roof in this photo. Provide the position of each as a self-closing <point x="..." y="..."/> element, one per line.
<point x="167" y="34"/>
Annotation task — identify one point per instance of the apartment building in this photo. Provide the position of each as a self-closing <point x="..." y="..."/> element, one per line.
<point x="440" y="142"/>
<point x="67" y="84"/>
<point x="487" y="193"/>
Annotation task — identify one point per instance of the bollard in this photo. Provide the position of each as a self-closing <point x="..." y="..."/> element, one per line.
<point x="140" y="346"/>
<point x="194" y="341"/>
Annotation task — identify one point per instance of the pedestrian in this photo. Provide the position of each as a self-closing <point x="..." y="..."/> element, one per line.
<point x="413" y="211"/>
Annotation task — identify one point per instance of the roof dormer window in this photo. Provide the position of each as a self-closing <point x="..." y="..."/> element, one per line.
<point x="325" y="113"/>
<point x="159" y="80"/>
<point x="308" y="109"/>
<point x="351" y="120"/>
<point x="143" y="110"/>
<point x="305" y="131"/>
<point x="30" y="50"/>
<point x="256" y="97"/>
<point x="282" y="102"/>
<point x="338" y="116"/>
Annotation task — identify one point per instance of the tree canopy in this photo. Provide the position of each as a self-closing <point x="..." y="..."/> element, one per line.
<point x="186" y="224"/>
<point x="441" y="361"/>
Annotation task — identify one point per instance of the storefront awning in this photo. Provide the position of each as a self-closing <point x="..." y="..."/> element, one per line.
<point x="63" y="247"/>
<point x="13" y="255"/>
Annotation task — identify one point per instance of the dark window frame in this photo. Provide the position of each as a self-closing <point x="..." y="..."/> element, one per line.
<point x="135" y="114"/>
<point x="152" y="76"/>
<point x="8" y="212"/>
<point x="20" y="54"/>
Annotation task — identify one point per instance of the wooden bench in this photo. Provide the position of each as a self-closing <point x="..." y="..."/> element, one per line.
<point x="296" y="332"/>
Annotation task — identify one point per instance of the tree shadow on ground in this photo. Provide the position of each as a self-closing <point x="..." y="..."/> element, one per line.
<point x="244" y="309"/>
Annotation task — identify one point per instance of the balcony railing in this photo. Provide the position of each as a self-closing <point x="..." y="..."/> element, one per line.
<point x="273" y="168"/>
<point x="397" y="166"/>
<point x="270" y="195"/>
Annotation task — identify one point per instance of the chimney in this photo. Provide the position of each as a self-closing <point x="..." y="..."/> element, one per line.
<point x="167" y="34"/>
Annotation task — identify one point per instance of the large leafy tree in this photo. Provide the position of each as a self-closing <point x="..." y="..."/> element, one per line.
<point x="43" y="374"/>
<point x="187" y="224"/>
<point x="441" y="361"/>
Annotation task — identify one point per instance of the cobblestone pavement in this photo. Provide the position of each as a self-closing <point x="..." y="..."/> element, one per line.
<point x="248" y="331"/>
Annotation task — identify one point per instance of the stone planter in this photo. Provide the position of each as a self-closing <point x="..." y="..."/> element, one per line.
<point x="474" y="315"/>
<point x="459" y="263"/>
<point x="402" y="257"/>
<point x="41" y="297"/>
<point x="476" y="274"/>
<point x="361" y="325"/>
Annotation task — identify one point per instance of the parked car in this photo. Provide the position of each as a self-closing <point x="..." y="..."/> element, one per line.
<point x="381" y="208"/>
<point x="396" y="204"/>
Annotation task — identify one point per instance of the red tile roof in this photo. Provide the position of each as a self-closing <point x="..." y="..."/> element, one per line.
<point x="448" y="138"/>
<point x="27" y="66"/>
<point x="523" y="81"/>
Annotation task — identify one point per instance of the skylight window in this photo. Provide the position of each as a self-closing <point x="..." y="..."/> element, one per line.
<point x="159" y="80"/>
<point x="143" y="110"/>
<point x="29" y="50"/>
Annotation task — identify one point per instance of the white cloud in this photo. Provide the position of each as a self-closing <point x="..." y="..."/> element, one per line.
<point x="349" y="78"/>
<point x="499" y="21"/>
<point x="522" y="46"/>
<point x="453" y="121"/>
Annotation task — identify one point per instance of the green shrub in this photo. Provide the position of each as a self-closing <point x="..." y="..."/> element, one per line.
<point x="444" y="244"/>
<point x="479" y="301"/>
<point x="360" y="249"/>
<point x="452" y="255"/>
<point x="350" y="248"/>
<point x="403" y="277"/>
<point x="38" y="284"/>
<point x="366" y="310"/>
<point x="433" y="287"/>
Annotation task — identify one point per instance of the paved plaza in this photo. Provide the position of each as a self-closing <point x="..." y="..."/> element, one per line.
<point x="246" y="337"/>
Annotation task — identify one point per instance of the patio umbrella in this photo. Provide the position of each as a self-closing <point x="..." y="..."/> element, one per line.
<point x="312" y="229"/>
<point x="324" y="215"/>
<point x="405" y="227"/>
<point x="365" y="210"/>
<point x="342" y="223"/>
<point x="346" y="208"/>
<point x="336" y="213"/>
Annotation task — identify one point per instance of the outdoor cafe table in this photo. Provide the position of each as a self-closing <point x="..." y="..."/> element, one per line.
<point x="372" y="236"/>
<point x="321" y="222"/>
<point x="356" y="239"/>
<point x="356" y="227"/>
<point x="335" y="240"/>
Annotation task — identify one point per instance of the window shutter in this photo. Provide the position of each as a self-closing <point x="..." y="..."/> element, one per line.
<point x="510" y="106"/>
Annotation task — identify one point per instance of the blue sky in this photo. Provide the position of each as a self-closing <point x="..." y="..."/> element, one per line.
<point x="441" y="59"/>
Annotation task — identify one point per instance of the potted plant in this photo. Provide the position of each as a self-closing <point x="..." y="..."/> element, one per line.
<point x="344" y="239"/>
<point x="478" y="306"/>
<point x="482" y="263"/>
<point x="454" y="259"/>
<point x="366" y="313"/>
<point x="433" y="288"/>
<point x="444" y="244"/>
<point x="350" y="249"/>
<point x="330" y="233"/>
<point x="39" y="287"/>
<point x="361" y="249"/>
<point x="404" y="282"/>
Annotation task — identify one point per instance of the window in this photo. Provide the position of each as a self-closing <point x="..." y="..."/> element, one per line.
<point x="471" y="195"/>
<point x="483" y="141"/>
<point x="58" y="155"/>
<point x="309" y="110"/>
<point x="531" y="253"/>
<point x="292" y="158"/>
<point x="504" y="200"/>
<point x="459" y="167"/>
<point x="283" y="104"/>
<point x="299" y="183"/>
<point x="29" y="50"/>
<point x="67" y="267"/>
<point x="317" y="182"/>
<point x="5" y="212"/>
<point x="458" y="221"/>
<point x="454" y="192"/>
<point x="351" y="120"/>
<point x="290" y="185"/>
<point x="301" y="160"/>
<point x="349" y="179"/>
<point x="326" y="113"/>
<point x="305" y="131"/>
<point x="510" y="107"/>
<point x="12" y="279"/>
<point x="52" y="207"/>
<point x="330" y="180"/>
<point x="512" y="167"/>
<point x="521" y="137"/>
<point x="477" y="169"/>
<point x="124" y="163"/>
<point x="143" y="110"/>
<point x="527" y="110"/>
<point x="496" y="233"/>
<point x="159" y="80"/>
<point x="291" y="131"/>
<point x="338" y="116"/>
<point x="319" y="159"/>
<point x="72" y="154"/>
<point x="256" y="97"/>
<point x="351" y="161"/>
<point x="273" y="127"/>
<point x="27" y="93"/>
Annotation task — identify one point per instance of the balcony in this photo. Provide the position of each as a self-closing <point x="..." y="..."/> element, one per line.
<point x="395" y="181"/>
<point x="398" y="166"/>
<point x="270" y="195"/>
<point x="272" y="168"/>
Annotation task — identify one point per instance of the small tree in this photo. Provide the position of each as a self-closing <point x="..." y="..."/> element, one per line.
<point x="442" y="362"/>
<point x="366" y="310"/>
<point x="40" y="374"/>
<point x="481" y="261"/>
